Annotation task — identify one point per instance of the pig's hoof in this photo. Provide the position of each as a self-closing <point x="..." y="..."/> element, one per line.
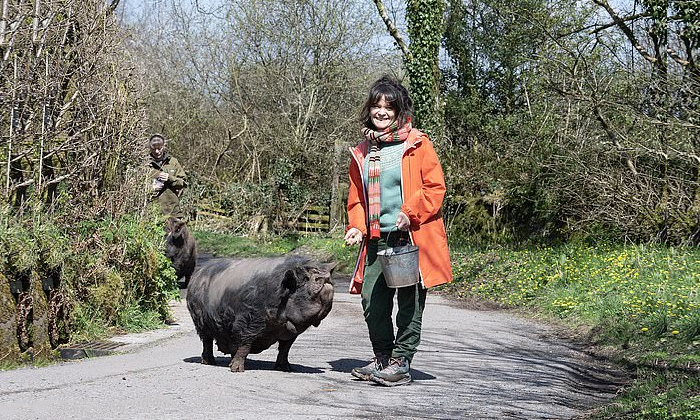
<point x="237" y="367"/>
<point x="284" y="367"/>
<point x="208" y="361"/>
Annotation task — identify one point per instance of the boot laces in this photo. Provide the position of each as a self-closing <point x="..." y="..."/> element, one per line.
<point x="396" y="363"/>
<point x="381" y="362"/>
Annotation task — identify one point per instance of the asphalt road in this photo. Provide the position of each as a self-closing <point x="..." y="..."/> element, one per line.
<point x="471" y="364"/>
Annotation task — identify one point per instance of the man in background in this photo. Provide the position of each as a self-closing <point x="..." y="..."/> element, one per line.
<point x="168" y="178"/>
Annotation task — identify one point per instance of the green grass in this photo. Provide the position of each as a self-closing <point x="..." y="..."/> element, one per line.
<point x="88" y="324"/>
<point x="656" y="394"/>
<point x="642" y="302"/>
<point x="630" y="295"/>
<point x="135" y="319"/>
<point x="220" y="244"/>
<point x="10" y="365"/>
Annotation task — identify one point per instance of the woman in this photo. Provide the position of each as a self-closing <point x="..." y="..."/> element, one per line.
<point x="395" y="195"/>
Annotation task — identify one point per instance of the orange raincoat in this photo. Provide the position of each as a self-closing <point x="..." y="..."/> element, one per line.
<point x="423" y="188"/>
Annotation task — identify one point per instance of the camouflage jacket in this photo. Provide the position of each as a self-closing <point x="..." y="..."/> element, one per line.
<point x="169" y="196"/>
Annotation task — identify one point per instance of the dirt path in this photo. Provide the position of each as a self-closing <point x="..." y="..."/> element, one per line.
<point x="471" y="364"/>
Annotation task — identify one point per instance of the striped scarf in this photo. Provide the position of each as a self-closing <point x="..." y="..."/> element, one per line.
<point x="393" y="134"/>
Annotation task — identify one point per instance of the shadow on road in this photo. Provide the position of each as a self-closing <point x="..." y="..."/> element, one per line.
<point x="252" y="364"/>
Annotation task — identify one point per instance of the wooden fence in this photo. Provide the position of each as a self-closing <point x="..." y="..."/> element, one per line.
<point x="310" y="219"/>
<point x="313" y="219"/>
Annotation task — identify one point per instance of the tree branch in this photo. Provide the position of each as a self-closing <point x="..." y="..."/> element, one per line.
<point x="112" y="6"/>
<point x="614" y="138"/>
<point x="230" y="143"/>
<point x="393" y="30"/>
<point x="3" y="20"/>
<point x="620" y="22"/>
<point x="598" y="27"/>
<point x="677" y="58"/>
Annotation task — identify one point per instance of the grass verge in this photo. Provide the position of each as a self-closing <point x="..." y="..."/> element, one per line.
<point x="220" y="244"/>
<point x="639" y="304"/>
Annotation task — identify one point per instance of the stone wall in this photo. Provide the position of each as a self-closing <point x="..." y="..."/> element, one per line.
<point x="28" y="317"/>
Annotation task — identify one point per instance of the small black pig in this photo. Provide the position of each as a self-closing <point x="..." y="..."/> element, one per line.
<point x="180" y="248"/>
<point x="248" y="305"/>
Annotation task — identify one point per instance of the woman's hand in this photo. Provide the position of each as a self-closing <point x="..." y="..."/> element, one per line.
<point x="402" y="221"/>
<point x="353" y="236"/>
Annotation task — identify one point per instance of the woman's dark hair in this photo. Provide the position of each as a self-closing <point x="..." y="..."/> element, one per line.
<point x="394" y="94"/>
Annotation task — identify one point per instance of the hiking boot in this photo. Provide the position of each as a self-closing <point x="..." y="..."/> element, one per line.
<point x="397" y="373"/>
<point x="378" y="363"/>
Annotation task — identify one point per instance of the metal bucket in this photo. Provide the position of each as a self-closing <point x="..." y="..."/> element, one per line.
<point x="400" y="265"/>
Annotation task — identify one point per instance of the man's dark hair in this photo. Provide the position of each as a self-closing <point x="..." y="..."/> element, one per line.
<point x="156" y="138"/>
<point x="395" y="94"/>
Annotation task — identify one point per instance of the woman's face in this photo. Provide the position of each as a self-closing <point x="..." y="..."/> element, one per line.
<point x="382" y="114"/>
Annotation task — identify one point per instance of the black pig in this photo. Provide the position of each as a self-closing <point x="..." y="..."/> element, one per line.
<point x="248" y="305"/>
<point x="180" y="248"/>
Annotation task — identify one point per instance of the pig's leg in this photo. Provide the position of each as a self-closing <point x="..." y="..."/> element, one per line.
<point x="282" y="362"/>
<point x="208" y="351"/>
<point x="238" y="359"/>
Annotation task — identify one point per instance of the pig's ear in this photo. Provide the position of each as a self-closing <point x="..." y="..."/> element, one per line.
<point x="290" y="280"/>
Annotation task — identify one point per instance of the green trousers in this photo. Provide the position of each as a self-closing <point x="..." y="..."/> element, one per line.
<point x="378" y="305"/>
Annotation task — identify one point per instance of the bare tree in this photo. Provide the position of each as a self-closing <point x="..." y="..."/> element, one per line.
<point x="665" y="44"/>
<point x="71" y="116"/>
<point x="272" y="92"/>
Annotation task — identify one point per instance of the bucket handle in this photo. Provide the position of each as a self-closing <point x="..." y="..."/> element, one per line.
<point x="396" y="228"/>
